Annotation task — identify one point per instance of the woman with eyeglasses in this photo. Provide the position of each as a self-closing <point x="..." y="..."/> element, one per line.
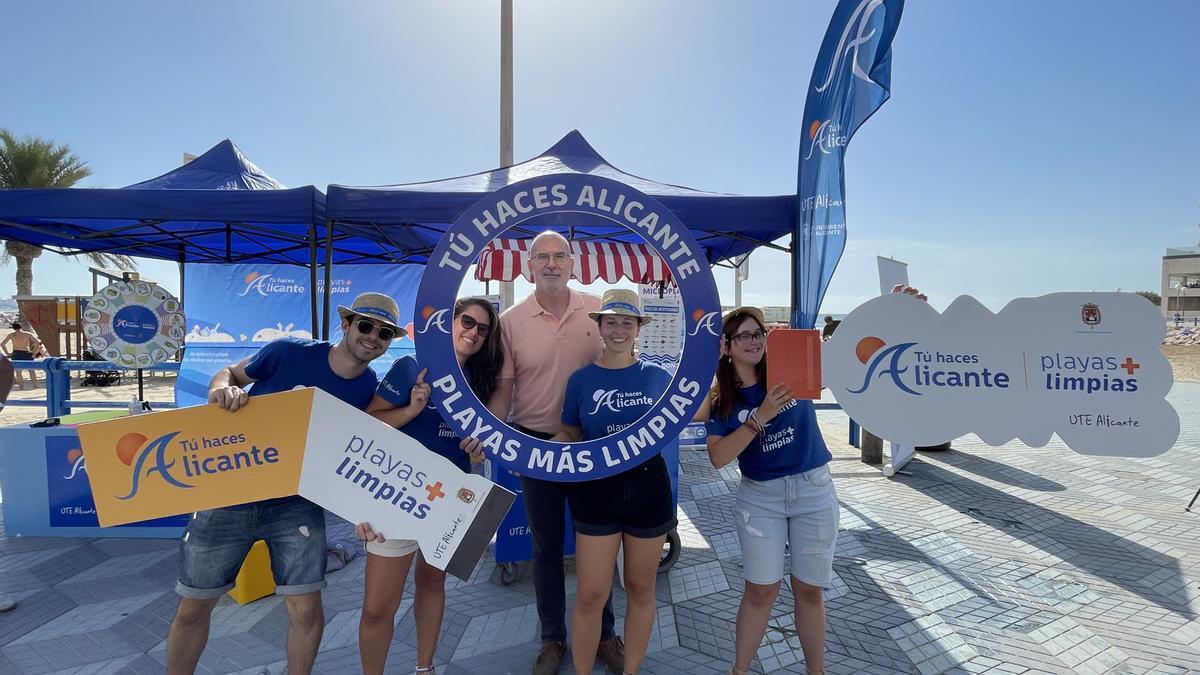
<point x="786" y="496"/>
<point x="401" y="402"/>
<point x="634" y="508"/>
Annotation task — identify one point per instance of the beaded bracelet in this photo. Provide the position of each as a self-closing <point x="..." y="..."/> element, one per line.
<point x="753" y="425"/>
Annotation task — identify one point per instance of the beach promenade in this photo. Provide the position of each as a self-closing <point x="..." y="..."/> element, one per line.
<point x="982" y="559"/>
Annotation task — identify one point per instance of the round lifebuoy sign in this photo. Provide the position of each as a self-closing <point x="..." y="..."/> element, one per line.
<point x="534" y="199"/>
<point x="134" y="323"/>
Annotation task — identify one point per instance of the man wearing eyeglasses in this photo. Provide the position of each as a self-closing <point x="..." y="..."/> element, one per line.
<point x="217" y="541"/>
<point x="546" y="337"/>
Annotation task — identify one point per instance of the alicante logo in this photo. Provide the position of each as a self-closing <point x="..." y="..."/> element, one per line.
<point x="435" y="318"/>
<point x="75" y="459"/>
<point x="858" y="34"/>
<point x="155" y="452"/>
<point x="265" y="284"/>
<point x="191" y="460"/>
<point x="869" y="347"/>
<point x="824" y="135"/>
<point x="615" y="401"/>
<point x="929" y="368"/>
<point x="707" y="321"/>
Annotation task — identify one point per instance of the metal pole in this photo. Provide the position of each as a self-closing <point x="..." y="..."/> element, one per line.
<point x="182" y="277"/>
<point x="506" y="83"/>
<point x="312" y="275"/>
<point x="794" y="321"/>
<point x="328" y="279"/>
<point x="506" y="113"/>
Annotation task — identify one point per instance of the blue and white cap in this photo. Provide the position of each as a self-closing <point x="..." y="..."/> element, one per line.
<point x="621" y="302"/>
<point x="375" y="306"/>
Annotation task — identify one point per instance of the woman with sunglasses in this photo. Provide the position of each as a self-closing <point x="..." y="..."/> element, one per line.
<point x="401" y="402"/>
<point x="634" y="508"/>
<point x="786" y="496"/>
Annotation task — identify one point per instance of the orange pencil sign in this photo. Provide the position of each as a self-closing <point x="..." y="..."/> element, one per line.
<point x="179" y="461"/>
<point x="795" y="360"/>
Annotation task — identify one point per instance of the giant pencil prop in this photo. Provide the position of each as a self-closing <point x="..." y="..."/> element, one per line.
<point x="303" y="442"/>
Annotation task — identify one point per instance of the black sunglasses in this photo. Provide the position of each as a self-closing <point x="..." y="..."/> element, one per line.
<point x="366" y="327"/>
<point x="468" y="322"/>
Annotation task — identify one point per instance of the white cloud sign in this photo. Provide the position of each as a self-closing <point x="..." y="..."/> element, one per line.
<point x="1086" y="366"/>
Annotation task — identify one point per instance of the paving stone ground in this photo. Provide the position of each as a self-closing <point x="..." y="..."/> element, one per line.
<point x="981" y="559"/>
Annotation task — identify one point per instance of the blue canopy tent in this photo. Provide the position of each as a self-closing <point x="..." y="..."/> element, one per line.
<point x="218" y="208"/>
<point x="407" y="221"/>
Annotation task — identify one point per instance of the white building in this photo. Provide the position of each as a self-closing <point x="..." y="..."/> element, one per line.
<point x="1181" y="281"/>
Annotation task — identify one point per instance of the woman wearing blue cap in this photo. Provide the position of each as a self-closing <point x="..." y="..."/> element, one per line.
<point x="635" y="508"/>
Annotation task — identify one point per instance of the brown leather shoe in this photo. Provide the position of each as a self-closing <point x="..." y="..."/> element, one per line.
<point x="549" y="659"/>
<point x="612" y="653"/>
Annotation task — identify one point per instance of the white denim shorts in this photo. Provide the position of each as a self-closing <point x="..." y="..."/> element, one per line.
<point x="393" y="548"/>
<point x="801" y="511"/>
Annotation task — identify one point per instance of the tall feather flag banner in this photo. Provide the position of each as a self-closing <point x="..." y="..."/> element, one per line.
<point x="850" y="81"/>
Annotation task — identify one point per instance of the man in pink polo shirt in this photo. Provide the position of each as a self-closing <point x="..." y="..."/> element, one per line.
<point x="546" y="337"/>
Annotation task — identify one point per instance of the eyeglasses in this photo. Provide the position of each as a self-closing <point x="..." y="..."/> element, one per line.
<point x="744" y="338"/>
<point x="366" y="327"/>
<point x="468" y="322"/>
<point x="544" y="258"/>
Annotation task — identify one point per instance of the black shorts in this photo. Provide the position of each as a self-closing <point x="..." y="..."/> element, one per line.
<point x="21" y="355"/>
<point x="637" y="502"/>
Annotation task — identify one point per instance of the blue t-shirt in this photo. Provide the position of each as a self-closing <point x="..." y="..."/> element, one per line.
<point x="791" y="443"/>
<point x="287" y="363"/>
<point x="427" y="427"/>
<point x="603" y="401"/>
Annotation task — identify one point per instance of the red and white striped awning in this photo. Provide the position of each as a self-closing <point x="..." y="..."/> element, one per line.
<point x="504" y="260"/>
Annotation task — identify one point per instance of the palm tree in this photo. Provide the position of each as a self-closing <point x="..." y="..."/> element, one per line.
<point x="33" y="162"/>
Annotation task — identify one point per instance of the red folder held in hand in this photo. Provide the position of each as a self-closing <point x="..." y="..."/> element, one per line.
<point x="795" y="360"/>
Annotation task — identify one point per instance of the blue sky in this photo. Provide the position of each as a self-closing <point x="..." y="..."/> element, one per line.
<point x="1029" y="146"/>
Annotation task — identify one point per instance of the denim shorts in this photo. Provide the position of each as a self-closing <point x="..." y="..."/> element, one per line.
<point x="217" y="541"/>
<point x="800" y="510"/>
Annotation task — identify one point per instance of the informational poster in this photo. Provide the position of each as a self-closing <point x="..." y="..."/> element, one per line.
<point x="254" y="304"/>
<point x="328" y="452"/>
<point x="68" y="492"/>
<point x="232" y="310"/>
<point x="1085" y="366"/>
<point x="661" y="341"/>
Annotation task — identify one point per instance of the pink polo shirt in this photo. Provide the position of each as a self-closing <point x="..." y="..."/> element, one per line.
<point x="541" y="351"/>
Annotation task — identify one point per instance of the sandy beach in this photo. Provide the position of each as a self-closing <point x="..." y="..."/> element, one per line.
<point x="1185" y="361"/>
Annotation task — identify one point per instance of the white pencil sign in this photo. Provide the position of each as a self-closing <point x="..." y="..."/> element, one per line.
<point x="365" y="471"/>
<point x="1086" y="366"/>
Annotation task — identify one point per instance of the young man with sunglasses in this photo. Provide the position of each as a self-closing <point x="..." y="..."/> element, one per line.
<point x="547" y="337"/>
<point x="217" y="541"/>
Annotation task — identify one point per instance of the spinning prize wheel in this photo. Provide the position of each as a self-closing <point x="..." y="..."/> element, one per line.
<point x="134" y="324"/>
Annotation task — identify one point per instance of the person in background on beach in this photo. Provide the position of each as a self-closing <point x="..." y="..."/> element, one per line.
<point x="6" y="382"/>
<point x="828" y="328"/>
<point x="216" y="541"/>
<point x="546" y="337"/>
<point x="635" y="508"/>
<point x="401" y="402"/>
<point x="786" y="496"/>
<point x="21" y="345"/>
